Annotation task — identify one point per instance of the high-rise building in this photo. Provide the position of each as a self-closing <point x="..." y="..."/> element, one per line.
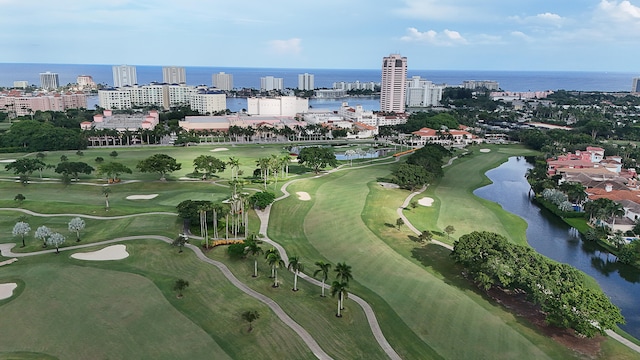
<point x="269" y="83"/>
<point x="305" y="81"/>
<point x="222" y="81"/>
<point x="393" y="87"/>
<point x="174" y="75"/>
<point x="124" y="75"/>
<point x="49" y="81"/>
<point x="422" y="93"/>
<point x="21" y="84"/>
<point x="85" y="81"/>
<point x="635" y="88"/>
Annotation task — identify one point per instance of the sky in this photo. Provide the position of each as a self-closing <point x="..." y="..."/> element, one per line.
<point x="562" y="35"/>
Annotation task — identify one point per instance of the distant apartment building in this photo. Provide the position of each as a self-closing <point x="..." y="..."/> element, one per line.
<point x="277" y="106"/>
<point x="269" y="83"/>
<point x="355" y="85"/>
<point x="423" y="93"/>
<point x="49" y="81"/>
<point x="21" y="104"/>
<point x="124" y="75"/>
<point x="358" y="114"/>
<point x="208" y="102"/>
<point x="481" y="84"/>
<point x="329" y="93"/>
<point x="165" y="96"/>
<point x="174" y="75"/>
<point x="635" y="87"/>
<point x="222" y="81"/>
<point x="305" y="81"/>
<point x="85" y="82"/>
<point x="22" y="84"/>
<point x="393" y="87"/>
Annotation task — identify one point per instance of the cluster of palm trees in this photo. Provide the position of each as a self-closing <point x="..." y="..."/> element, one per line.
<point x="274" y="260"/>
<point x="604" y="209"/>
<point x="274" y="165"/>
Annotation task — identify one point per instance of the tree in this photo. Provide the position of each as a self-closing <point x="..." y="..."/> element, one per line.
<point x="159" y="163"/>
<point x="179" y="287"/>
<point x="234" y="164"/>
<point x="295" y="265"/>
<point x="250" y="316"/>
<point x="113" y="170"/>
<point x="76" y="225"/>
<point x="340" y="289"/>
<point x="317" y="157"/>
<point x="113" y="154"/>
<point x="323" y="268"/>
<point x="262" y="199"/>
<point x="56" y="239"/>
<point x="99" y="159"/>
<point x="19" y="198"/>
<point x="73" y="168"/>
<point x="208" y="165"/>
<point x="343" y="275"/>
<point x="106" y="190"/>
<point x="399" y="222"/>
<point x="449" y="230"/>
<point x="21" y="229"/>
<point x="411" y="177"/>
<point x="24" y="167"/>
<point x="42" y="233"/>
<point x="253" y="248"/>
<point x="180" y="241"/>
<point x="425" y="236"/>
<point x="275" y="261"/>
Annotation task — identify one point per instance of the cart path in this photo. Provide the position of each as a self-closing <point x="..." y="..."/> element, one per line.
<point x="33" y="213"/>
<point x="5" y="250"/>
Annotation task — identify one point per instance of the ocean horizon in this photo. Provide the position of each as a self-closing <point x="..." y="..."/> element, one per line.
<point x="605" y="81"/>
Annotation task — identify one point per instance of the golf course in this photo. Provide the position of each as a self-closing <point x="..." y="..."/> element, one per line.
<point x="406" y="299"/>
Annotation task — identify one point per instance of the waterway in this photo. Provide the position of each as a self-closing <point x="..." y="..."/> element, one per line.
<point x="551" y="237"/>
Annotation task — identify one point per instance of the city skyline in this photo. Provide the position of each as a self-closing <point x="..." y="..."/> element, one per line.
<point x="583" y="35"/>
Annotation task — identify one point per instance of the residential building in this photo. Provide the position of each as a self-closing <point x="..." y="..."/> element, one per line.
<point x="394" y="87"/>
<point x="277" y="106"/>
<point x="305" y="82"/>
<point x="481" y="84"/>
<point x="21" y="84"/>
<point x="444" y="137"/>
<point x="423" y="93"/>
<point x="114" y="99"/>
<point x="165" y="96"/>
<point x="329" y="93"/>
<point x="20" y="104"/>
<point x="208" y="102"/>
<point x="635" y="88"/>
<point x="356" y="85"/>
<point x="85" y="82"/>
<point x="358" y="114"/>
<point x="174" y="75"/>
<point x="222" y="81"/>
<point x="269" y="83"/>
<point x="124" y="75"/>
<point x="49" y="81"/>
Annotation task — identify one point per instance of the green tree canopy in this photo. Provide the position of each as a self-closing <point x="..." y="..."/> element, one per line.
<point x="73" y="168"/>
<point x="159" y="163"/>
<point x="208" y="165"/>
<point x="113" y="169"/>
<point x="317" y="157"/>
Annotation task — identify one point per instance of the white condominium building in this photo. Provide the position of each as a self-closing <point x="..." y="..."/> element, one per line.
<point x="208" y="102"/>
<point x="174" y="75"/>
<point x="277" y="106"/>
<point x="269" y="83"/>
<point x="49" y="81"/>
<point x="423" y="93"/>
<point x="393" y="87"/>
<point x="161" y="95"/>
<point x="635" y="88"/>
<point x="124" y="75"/>
<point x="305" y="81"/>
<point x="222" y="81"/>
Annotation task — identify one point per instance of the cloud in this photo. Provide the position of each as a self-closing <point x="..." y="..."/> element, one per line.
<point x="543" y="19"/>
<point x="519" y="35"/>
<point x="445" y="38"/>
<point x="623" y="10"/>
<point x="433" y="10"/>
<point x="286" y="47"/>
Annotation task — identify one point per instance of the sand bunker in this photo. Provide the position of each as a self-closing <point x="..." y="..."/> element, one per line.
<point x="426" y="201"/>
<point x="6" y="290"/>
<point x="8" y="262"/>
<point x="303" y="196"/>
<point x="219" y="149"/>
<point x="387" y="185"/>
<point x="485" y="150"/>
<point x="7" y="161"/>
<point x="141" y="197"/>
<point x="114" y="252"/>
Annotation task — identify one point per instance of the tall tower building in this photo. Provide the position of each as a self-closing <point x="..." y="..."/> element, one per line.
<point x="222" y="81"/>
<point x="269" y="83"/>
<point x="49" y="81"/>
<point x="393" y="87"/>
<point x="635" y="88"/>
<point x="124" y="75"/>
<point x="305" y="81"/>
<point x="174" y="75"/>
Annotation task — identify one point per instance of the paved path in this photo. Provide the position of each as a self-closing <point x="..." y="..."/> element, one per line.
<point x="33" y="213"/>
<point x="5" y="250"/>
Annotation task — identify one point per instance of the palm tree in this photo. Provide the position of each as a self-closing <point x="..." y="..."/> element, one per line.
<point x="253" y="248"/>
<point x="234" y="164"/>
<point x="276" y="262"/>
<point x="324" y="269"/>
<point x="343" y="274"/>
<point x="106" y="191"/>
<point x="204" y="229"/>
<point x="340" y="289"/>
<point x="250" y="316"/>
<point x="285" y="159"/>
<point x="616" y="210"/>
<point x="295" y="265"/>
<point x="266" y="256"/>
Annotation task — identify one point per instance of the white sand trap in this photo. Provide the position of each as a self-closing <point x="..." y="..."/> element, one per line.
<point x="219" y="149"/>
<point x="113" y="252"/>
<point x="387" y="185"/>
<point x="7" y="161"/>
<point x="426" y="201"/>
<point x="304" y="196"/>
<point x="141" y="197"/>
<point x="485" y="150"/>
<point x="6" y="290"/>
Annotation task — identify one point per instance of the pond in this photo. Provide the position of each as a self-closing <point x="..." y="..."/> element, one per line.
<point x="551" y="237"/>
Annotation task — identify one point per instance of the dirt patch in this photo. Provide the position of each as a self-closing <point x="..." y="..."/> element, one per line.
<point x="6" y="290"/>
<point x="518" y="305"/>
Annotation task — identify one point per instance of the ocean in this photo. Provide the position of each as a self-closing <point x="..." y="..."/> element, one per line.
<point x="324" y="78"/>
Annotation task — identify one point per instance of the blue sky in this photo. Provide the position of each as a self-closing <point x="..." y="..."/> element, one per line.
<point x="590" y="35"/>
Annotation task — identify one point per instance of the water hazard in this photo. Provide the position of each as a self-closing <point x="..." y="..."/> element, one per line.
<point x="556" y="240"/>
